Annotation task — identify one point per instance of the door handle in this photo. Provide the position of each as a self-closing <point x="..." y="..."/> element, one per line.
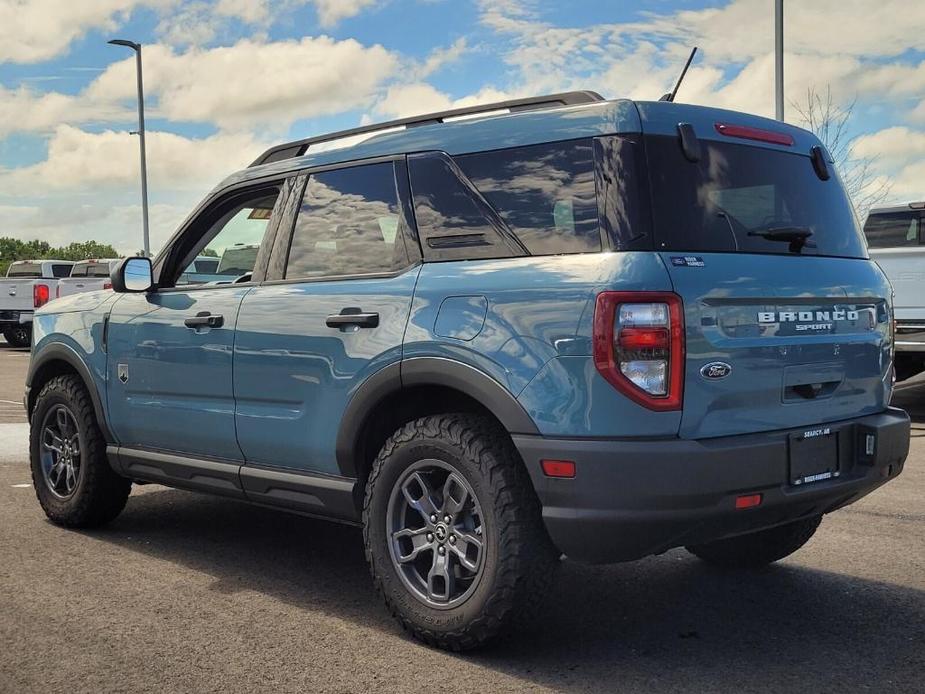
<point x="353" y="316"/>
<point x="204" y="319"/>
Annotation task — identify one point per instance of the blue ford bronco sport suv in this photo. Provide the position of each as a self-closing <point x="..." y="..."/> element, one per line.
<point x="561" y="325"/>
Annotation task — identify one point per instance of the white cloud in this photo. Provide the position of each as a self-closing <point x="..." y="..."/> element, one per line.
<point x="25" y="108"/>
<point x="71" y="218"/>
<point x="250" y="84"/>
<point x="420" y="98"/>
<point x="34" y="30"/>
<point x="79" y="161"/>
<point x="893" y="146"/>
<point x="641" y="59"/>
<point x="330" y="12"/>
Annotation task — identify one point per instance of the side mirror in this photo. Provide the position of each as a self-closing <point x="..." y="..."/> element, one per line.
<point x="132" y="275"/>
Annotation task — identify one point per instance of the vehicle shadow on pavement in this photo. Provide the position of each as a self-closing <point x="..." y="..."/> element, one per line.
<point x="697" y="628"/>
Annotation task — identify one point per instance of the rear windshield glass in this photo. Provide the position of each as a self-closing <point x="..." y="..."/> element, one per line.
<point x="91" y="270"/>
<point x="748" y="199"/>
<point x="98" y="270"/>
<point x="25" y="270"/>
<point x="893" y="230"/>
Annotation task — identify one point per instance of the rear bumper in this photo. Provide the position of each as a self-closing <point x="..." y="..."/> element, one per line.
<point x="8" y="318"/>
<point x="910" y="336"/>
<point x="630" y="499"/>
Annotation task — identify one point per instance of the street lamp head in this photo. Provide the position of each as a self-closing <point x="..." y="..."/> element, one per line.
<point x="123" y="42"/>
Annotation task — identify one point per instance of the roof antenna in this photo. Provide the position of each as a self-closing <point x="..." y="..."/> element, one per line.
<point x="670" y="96"/>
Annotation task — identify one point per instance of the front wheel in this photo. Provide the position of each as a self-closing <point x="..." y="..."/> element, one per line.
<point x="760" y="548"/>
<point x="18" y="335"/>
<point x="70" y="472"/>
<point x="453" y="531"/>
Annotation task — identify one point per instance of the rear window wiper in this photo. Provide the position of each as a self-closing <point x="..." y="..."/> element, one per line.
<point x="797" y="237"/>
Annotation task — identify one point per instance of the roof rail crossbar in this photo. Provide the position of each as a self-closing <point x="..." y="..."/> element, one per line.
<point x="299" y="147"/>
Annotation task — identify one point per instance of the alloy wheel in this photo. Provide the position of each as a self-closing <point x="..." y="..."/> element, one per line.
<point x="60" y="451"/>
<point x="436" y="534"/>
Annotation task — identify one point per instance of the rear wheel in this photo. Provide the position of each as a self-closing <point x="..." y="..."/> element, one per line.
<point x="18" y="335"/>
<point x="72" y="478"/>
<point x="453" y="531"/>
<point x="760" y="548"/>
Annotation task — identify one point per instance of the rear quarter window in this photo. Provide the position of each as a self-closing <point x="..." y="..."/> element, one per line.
<point x="545" y="193"/>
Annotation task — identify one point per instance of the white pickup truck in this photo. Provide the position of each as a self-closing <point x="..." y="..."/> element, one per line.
<point x="87" y="276"/>
<point x="28" y="285"/>
<point x="896" y="238"/>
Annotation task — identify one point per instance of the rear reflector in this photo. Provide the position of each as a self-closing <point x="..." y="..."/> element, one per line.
<point x="558" y="468"/>
<point x="748" y="501"/>
<point x="747" y="133"/>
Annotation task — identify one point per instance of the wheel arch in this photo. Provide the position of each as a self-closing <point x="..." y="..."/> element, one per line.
<point x="56" y="360"/>
<point x="413" y="388"/>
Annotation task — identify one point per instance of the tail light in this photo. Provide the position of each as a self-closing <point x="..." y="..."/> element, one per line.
<point x="639" y="346"/>
<point x="41" y="295"/>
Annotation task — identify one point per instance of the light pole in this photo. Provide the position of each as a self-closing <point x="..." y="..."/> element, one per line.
<point x="141" y="138"/>
<point x="779" y="58"/>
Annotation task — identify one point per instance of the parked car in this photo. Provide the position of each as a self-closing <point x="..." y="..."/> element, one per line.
<point x="602" y="329"/>
<point x="201" y="270"/>
<point x="29" y="284"/>
<point x="896" y="238"/>
<point x="87" y="276"/>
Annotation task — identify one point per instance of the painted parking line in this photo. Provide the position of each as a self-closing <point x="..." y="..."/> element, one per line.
<point x="14" y="443"/>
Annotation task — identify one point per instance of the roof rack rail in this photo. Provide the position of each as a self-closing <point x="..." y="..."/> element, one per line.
<point x="299" y="147"/>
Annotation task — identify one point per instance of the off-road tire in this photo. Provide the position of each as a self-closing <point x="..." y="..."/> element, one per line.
<point x="19" y="336"/>
<point x="760" y="548"/>
<point x="521" y="561"/>
<point x="100" y="494"/>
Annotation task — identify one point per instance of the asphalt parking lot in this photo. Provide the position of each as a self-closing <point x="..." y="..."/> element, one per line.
<point x="191" y="593"/>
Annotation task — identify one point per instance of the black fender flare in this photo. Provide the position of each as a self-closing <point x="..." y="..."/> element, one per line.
<point x="425" y="371"/>
<point x="63" y="353"/>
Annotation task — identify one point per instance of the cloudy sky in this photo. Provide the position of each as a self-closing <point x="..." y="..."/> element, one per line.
<point x="226" y="78"/>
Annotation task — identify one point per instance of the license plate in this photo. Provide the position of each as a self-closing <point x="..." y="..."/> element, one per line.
<point x="813" y="456"/>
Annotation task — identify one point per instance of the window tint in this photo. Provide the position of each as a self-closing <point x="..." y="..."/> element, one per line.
<point x="349" y="224"/>
<point x="79" y="270"/>
<point x="25" y="270"/>
<point x="453" y="221"/>
<point x="234" y="239"/>
<point x="61" y="270"/>
<point x="738" y="195"/>
<point x="97" y="270"/>
<point x="207" y="265"/>
<point x="545" y="193"/>
<point x="893" y="230"/>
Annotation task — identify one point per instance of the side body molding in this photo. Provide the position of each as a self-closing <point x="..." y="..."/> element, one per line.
<point x="425" y="371"/>
<point x="58" y="352"/>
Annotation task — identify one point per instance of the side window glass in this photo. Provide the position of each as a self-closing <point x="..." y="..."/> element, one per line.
<point x="349" y="224"/>
<point x="231" y="243"/>
<point x="454" y="221"/>
<point x="545" y="193"/>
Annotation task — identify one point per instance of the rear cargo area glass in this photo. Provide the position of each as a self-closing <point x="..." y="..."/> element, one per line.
<point x="736" y="192"/>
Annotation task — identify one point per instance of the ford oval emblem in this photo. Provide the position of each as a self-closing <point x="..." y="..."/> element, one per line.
<point x="715" y="370"/>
